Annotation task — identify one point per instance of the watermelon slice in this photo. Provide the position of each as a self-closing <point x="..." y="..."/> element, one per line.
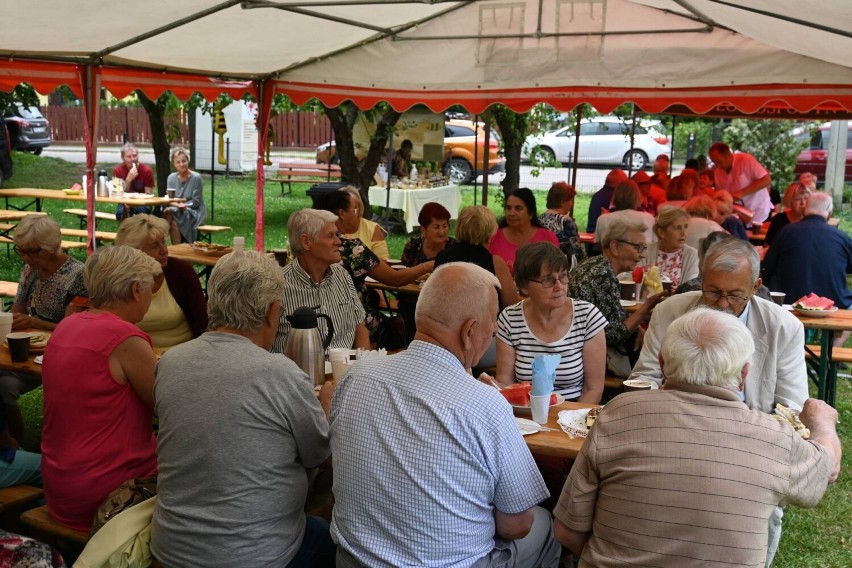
<point x="518" y="394"/>
<point x="813" y="302"/>
<point x="638" y="275"/>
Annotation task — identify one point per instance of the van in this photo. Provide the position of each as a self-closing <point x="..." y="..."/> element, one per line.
<point x="813" y="159"/>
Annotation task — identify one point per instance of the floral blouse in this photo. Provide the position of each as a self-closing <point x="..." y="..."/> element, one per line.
<point x="413" y="253"/>
<point x="671" y="265"/>
<point x="566" y="231"/>
<point x="359" y="261"/>
<point x="594" y="281"/>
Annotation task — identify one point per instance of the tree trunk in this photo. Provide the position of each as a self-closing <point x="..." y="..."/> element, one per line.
<point x="359" y="173"/>
<point x="159" y="141"/>
<point x="514" y="128"/>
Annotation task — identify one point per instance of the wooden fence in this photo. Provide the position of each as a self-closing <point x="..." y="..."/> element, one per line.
<point x="292" y="130"/>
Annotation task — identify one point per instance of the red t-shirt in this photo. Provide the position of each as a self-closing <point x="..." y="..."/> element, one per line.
<point x="97" y="433"/>
<point x="144" y="177"/>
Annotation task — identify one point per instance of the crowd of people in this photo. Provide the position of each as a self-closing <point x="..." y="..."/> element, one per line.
<point x="429" y="468"/>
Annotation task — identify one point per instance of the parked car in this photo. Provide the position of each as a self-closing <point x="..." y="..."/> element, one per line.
<point x="28" y="129"/>
<point x="813" y="159"/>
<point x="460" y="137"/>
<point x="5" y="155"/>
<point x="603" y="140"/>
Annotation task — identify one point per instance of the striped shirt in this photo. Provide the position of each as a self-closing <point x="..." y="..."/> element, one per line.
<point x="686" y="476"/>
<point x="335" y="296"/>
<point x="513" y="330"/>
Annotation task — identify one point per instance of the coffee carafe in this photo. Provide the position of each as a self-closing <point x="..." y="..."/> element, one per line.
<point x="305" y="346"/>
<point x="102" y="188"/>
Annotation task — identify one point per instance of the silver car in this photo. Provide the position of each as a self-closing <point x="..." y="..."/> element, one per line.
<point x="28" y="129"/>
<point x="603" y="140"/>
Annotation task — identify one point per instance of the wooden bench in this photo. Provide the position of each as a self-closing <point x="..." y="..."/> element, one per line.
<point x="99" y="216"/>
<point x="65" y="245"/>
<point x="288" y="172"/>
<point x="838" y="354"/>
<point x="205" y="232"/>
<point x="8" y="290"/>
<point x="79" y="233"/>
<point x="38" y="524"/>
<point x="13" y="500"/>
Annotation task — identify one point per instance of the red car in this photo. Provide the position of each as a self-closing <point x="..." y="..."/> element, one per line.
<point x="813" y="159"/>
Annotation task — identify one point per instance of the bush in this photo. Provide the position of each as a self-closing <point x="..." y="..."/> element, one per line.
<point x="703" y="138"/>
<point x="771" y="142"/>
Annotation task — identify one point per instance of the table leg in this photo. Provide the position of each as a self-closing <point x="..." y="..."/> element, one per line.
<point x="827" y="370"/>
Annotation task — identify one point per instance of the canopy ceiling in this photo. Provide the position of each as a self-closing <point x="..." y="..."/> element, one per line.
<point x="756" y="57"/>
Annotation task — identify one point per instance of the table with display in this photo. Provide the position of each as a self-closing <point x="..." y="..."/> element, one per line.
<point x="411" y="201"/>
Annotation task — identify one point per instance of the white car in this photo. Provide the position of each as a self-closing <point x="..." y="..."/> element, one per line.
<point x="603" y="140"/>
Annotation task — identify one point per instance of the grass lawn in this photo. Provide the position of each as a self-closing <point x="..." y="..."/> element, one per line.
<point x="819" y="537"/>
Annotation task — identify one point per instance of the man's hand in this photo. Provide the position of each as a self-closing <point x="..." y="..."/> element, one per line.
<point x="325" y="395"/>
<point x="821" y="419"/>
<point x="131" y="174"/>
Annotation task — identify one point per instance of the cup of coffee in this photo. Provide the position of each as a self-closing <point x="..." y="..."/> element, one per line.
<point x="667" y="285"/>
<point x="170" y="193"/>
<point x="778" y="297"/>
<point x="628" y="290"/>
<point x="6" y="319"/>
<point x="19" y="346"/>
<point x="637" y="385"/>
<point x="282" y="256"/>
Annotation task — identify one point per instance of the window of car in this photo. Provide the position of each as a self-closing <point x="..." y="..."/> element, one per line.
<point x="591" y="129"/>
<point x="454" y="131"/>
<point x="29" y="113"/>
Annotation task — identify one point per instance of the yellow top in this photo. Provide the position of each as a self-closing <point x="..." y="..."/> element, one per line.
<point x="164" y="321"/>
<point x="365" y="233"/>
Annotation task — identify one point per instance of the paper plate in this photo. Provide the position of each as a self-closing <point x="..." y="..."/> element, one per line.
<point x="814" y="313"/>
<point x="527" y="427"/>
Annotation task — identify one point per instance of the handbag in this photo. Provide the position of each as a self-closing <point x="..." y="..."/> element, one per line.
<point x="130" y="493"/>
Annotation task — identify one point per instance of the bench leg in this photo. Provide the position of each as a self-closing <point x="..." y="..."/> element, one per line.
<point x="289" y="188"/>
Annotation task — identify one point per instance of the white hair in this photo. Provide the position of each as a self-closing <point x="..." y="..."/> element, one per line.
<point x="40" y="230"/>
<point x="134" y="231"/>
<point x="618" y="229"/>
<point x="706" y="347"/>
<point x="110" y="273"/>
<point x="308" y="222"/>
<point x="726" y="255"/>
<point x="241" y="288"/>
<point x="455" y="293"/>
<point x="819" y="203"/>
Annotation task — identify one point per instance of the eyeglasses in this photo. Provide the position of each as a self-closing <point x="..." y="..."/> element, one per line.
<point x="549" y="281"/>
<point x="27" y="252"/>
<point x="640" y="247"/>
<point x="732" y="299"/>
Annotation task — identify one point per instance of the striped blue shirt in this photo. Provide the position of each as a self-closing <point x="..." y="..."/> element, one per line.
<point x="423" y="453"/>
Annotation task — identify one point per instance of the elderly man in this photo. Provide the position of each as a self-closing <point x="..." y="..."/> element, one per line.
<point x="138" y="178"/>
<point x="238" y="427"/>
<point x="811" y="256"/>
<point x="689" y="476"/>
<point x="315" y="278"/>
<point x="745" y="179"/>
<point x="429" y="466"/>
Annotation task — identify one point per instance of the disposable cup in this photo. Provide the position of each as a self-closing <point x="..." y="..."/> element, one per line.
<point x="628" y="290"/>
<point x="540" y="407"/>
<point x="338" y="369"/>
<point x="667" y="285"/>
<point x="5" y="323"/>
<point x="170" y="192"/>
<point x="19" y="346"/>
<point x="778" y="297"/>
<point x="637" y="385"/>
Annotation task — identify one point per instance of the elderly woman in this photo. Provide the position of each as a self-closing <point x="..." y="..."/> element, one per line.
<point x="725" y="214"/>
<point x="49" y="281"/>
<point x="475" y="228"/>
<point x="595" y="281"/>
<point x="795" y="200"/>
<point x="99" y="389"/>
<point x="702" y="212"/>
<point x="519" y="227"/>
<point x="178" y="310"/>
<point x="626" y="199"/>
<point x="676" y="260"/>
<point x="557" y="218"/>
<point x="548" y="321"/>
<point x="371" y="234"/>
<point x="185" y="217"/>
<point x="315" y="277"/>
<point x="434" y="220"/>
<point x="361" y="262"/>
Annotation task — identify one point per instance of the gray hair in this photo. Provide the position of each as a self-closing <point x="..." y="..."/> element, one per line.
<point x="667" y="215"/>
<point x="41" y="230"/>
<point x="710" y="240"/>
<point x="727" y="255"/>
<point x="174" y="152"/>
<point x="110" y="273"/>
<point x="701" y="206"/>
<point x="532" y="257"/>
<point x="724" y="202"/>
<point x="307" y="222"/>
<point x="706" y="347"/>
<point x="454" y="293"/>
<point x="819" y="203"/>
<point x="241" y="288"/>
<point x="133" y="231"/>
<point x="617" y="230"/>
<point x="127" y="148"/>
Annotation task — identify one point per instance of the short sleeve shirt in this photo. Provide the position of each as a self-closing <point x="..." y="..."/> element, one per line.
<point x="47" y="298"/>
<point x="594" y="281"/>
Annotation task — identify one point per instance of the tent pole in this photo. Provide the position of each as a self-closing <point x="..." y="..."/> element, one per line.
<point x="388" y="188"/>
<point x="671" y="153"/>
<point x="487" y="157"/>
<point x="475" y="153"/>
<point x="576" y="159"/>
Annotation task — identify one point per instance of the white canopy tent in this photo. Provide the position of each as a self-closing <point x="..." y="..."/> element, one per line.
<point x="764" y="57"/>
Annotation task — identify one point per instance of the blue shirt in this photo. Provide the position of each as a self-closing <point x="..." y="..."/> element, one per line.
<point x="810" y="256"/>
<point x="423" y="453"/>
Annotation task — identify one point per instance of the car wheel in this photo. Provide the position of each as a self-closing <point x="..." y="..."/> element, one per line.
<point x="542" y="156"/>
<point x="640" y="159"/>
<point x="458" y="171"/>
<point x="38" y="151"/>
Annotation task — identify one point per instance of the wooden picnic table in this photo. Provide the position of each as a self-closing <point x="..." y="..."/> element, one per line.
<point x="557" y="443"/>
<point x="841" y="320"/>
<point x="27" y="366"/>
<point x="37" y="195"/>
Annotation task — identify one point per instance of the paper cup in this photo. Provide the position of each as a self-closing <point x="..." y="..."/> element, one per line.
<point x="540" y="408"/>
<point x="338" y="369"/>
<point x="667" y="285"/>
<point x="6" y="323"/>
<point x="19" y="346"/>
<point x="170" y="193"/>
<point x="628" y="290"/>
<point x="778" y="297"/>
<point x="637" y="385"/>
<point x="340" y="360"/>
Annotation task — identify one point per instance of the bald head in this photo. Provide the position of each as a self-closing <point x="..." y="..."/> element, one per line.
<point x="455" y="293"/>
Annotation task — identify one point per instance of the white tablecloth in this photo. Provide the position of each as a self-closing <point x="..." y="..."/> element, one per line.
<point x="411" y="201"/>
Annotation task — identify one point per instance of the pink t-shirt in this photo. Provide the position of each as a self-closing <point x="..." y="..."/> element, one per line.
<point x="97" y="433"/>
<point x="501" y="246"/>
<point x="745" y="170"/>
